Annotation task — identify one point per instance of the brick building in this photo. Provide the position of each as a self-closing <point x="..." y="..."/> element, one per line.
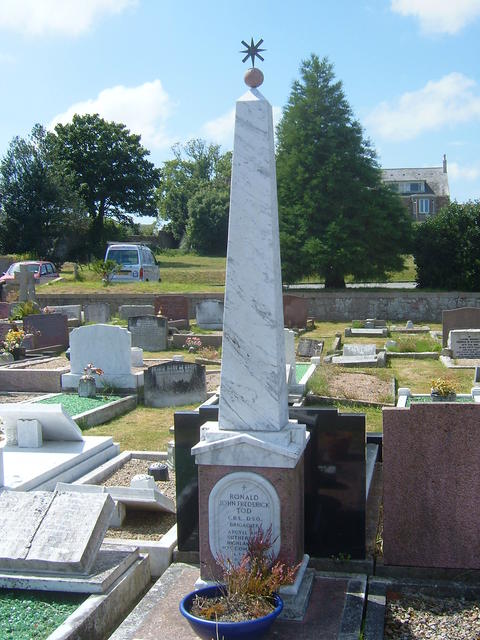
<point x="424" y="191"/>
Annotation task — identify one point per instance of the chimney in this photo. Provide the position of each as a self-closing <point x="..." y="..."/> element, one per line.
<point x="444" y="163"/>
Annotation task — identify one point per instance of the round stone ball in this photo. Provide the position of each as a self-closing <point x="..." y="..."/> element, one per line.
<point x="253" y="78"/>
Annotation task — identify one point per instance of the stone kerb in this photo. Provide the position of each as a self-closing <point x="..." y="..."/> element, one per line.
<point x="107" y="347"/>
<point x="431" y="488"/>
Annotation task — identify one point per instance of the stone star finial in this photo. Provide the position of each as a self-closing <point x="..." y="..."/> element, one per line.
<point x="252" y="50"/>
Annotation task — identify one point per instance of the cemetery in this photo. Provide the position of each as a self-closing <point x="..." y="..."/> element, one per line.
<point x="355" y="463"/>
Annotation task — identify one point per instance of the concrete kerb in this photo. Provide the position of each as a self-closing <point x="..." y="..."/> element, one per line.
<point x="100" y="414"/>
<point x="352" y="615"/>
<point x="99" y="614"/>
<point x="159" y="551"/>
<point x="378" y="588"/>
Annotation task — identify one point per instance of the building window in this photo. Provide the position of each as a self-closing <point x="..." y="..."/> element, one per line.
<point x="424" y="205"/>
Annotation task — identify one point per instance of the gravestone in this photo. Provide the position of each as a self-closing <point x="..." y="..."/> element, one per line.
<point x="359" y="350"/>
<point x="149" y="332"/>
<point x="209" y="314"/>
<point x="375" y="332"/>
<point x="295" y="312"/>
<point x="98" y="312"/>
<point x="26" y="283"/>
<point x="361" y="355"/>
<point x="126" y="311"/>
<point x="431" y="466"/>
<point x="308" y="348"/>
<point x="4" y="310"/>
<point x="72" y="311"/>
<point x="463" y="318"/>
<point x="175" y="308"/>
<point x="253" y="440"/>
<point x="106" y="347"/>
<point x="45" y="532"/>
<point x="464" y="343"/>
<point x="48" y="329"/>
<point x="174" y="383"/>
<point x="136" y="357"/>
<point x="56" y="424"/>
<point x="476" y="377"/>
<point x="5" y="327"/>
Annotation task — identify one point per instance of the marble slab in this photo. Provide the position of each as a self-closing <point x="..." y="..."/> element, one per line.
<point x="45" y="532"/>
<point x="253" y="388"/>
<point x="56" y="423"/>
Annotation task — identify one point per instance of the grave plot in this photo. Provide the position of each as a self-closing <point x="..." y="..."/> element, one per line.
<point x="335" y="383"/>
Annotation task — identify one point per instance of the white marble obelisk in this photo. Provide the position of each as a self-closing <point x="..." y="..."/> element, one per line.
<point x="253" y="390"/>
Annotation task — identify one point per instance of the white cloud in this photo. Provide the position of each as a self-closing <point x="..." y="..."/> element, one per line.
<point x="143" y="109"/>
<point x="461" y="172"/>
<point x="439" y="16"/>
<point x="68" y="17"/>
<point x="448" y="101"/>
<point x="220" y="130"/>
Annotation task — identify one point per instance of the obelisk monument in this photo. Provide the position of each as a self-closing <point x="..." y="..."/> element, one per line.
<point x="250" y="463"/>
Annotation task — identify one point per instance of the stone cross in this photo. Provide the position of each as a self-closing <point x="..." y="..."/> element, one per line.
<point x="26" y="282"/>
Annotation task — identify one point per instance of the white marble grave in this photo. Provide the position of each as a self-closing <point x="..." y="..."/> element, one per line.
<point x="464" y="343"/>
<point x="56" y="424"/>
<point x="253" y="389"/>
<point x="108" y="348"/>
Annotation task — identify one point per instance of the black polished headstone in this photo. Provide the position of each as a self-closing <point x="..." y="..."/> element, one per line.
<point x="335" y="494"/>
<point x="334" y="479"/>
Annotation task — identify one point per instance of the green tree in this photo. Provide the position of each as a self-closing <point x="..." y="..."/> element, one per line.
<point x="110" y="170"/>
<point x="447" y="248"/>
<point x="39" y="204"/>
<point x="336" y="215"/>
<point x="197" y="166"/>
<point x="207" y="226"/>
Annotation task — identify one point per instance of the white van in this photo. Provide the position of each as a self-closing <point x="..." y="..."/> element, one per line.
<point x="136" y="262"/>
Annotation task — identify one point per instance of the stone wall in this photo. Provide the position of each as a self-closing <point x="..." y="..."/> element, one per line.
<point x="394" y="305"/>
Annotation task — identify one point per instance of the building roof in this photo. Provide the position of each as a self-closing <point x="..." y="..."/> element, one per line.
<point x="435" y="177"/>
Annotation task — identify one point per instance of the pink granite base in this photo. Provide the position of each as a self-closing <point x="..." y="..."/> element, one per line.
<point x="289" y="486"/>
<point x="431" y="466"/>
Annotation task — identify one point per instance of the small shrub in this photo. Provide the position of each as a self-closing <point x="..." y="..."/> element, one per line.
<point x="208" y="353"/>
<point x="23" y="309"/>
<point x="106" y="269"/>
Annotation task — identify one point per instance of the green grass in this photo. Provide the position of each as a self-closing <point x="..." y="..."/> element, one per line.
<point x="34" y="615"/>
<point x="415" y="343"/>
<point x="180" y="273"/>
<point x="73" y="404"/>
<point x="144" y="428"/>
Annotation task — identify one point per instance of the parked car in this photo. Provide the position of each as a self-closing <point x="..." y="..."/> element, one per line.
<point x="42" y="271"/>
<point x="136" y="262"/>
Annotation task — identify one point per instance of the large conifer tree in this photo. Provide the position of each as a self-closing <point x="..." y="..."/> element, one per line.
<point x="336" y="215"/>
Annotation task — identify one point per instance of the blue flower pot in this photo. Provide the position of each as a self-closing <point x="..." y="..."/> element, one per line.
<point x="210" y="630"/>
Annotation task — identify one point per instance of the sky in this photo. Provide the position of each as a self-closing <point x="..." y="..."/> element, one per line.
<point x="171" y="70"/>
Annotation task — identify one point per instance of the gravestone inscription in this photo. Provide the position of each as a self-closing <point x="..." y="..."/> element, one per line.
<point x="465" y="344"/>
<point x="308" y="348"/>
<point x="238" y="504"/>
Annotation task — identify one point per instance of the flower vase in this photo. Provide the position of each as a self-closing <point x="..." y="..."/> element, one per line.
<point x="87" y="387"/>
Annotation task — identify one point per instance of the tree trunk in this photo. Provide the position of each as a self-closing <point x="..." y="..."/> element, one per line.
<point x="334" y="280"/>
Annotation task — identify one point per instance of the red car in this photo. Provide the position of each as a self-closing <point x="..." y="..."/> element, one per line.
<point x="42" y="271"/>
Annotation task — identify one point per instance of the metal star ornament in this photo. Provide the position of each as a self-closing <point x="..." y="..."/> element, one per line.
<point x="252" y="50"/>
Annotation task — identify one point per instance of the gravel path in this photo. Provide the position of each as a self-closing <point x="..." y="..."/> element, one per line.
<point x="411" y="616"/>
<point x="144" y="525"/>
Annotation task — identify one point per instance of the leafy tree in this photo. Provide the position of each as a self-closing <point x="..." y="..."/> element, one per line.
<point x="39" y="204"/>
<point x="196" y="166"/>
<point x="110" y="170"/>
<point x="207" y="226"/>
<point x="447" y="248"/>
<point x="336" y="215"/>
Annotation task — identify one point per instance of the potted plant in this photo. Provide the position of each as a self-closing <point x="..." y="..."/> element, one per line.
<point x="443" y="390"/>
<point x="87" y="386"/>
<point x="246" y="603"/>
<point x="13" y="343"/>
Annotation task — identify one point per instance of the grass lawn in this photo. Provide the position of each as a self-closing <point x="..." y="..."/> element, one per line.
<point x="144" y="428"/>
<point x="180" y="273"/>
